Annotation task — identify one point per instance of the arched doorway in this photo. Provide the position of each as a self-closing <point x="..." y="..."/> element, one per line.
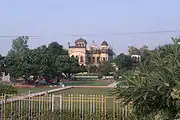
<point x="81" y="59"/>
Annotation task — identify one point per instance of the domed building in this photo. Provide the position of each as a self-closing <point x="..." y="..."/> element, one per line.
<point x="94" y="54"/>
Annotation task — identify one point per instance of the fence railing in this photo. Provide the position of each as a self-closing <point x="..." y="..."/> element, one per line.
<point x="106" y="108"/>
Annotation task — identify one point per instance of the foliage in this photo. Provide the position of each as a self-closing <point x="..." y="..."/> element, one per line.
<point x="92" y="69"/>
<point x="151" y="87"/>
<point x="100" y="76"/>
<point x="7" y="89"/>
<point x="133" y="50"/>
<point x="19" y="45"/>
<point x="61" y="115"/>
<point x="47" y="61"/>
<point x="105" y="68"/>
<point x="67" y="65"/>
<point x="116" y="75"/>
<point x="125" y="62"/>
<point x="67" y="115"/>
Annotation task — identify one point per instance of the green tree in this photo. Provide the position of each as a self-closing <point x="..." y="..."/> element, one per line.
<point x="19" y="45"/>
<point x="67" y="65"/>
<point x="48" y="61"/>
<point x="151" y="90"/>
<point x="1" y="63"/>
<point x="105" y="68"/>
<point x="83" y="68"/>
<point x="57" y="49"/>
<point x="92" y="68"/>
<point x="11" y="62"/>
<point x="124" y="62"/>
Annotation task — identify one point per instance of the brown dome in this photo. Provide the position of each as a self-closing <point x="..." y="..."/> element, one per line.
<point x="104" y="43"/>
<point x="81" y="40"/>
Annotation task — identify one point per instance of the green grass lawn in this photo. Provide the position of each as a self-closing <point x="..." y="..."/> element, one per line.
<point x="69" y="83"/>
<point x="87" y="91"/>
<point x="86" y="83"/>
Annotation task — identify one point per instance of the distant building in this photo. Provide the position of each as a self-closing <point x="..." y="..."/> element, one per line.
<point x="91" y="55"/>
<point x="135" y="53"/>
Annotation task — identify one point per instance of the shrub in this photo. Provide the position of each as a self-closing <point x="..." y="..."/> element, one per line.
<point x="100" y="76"/>
<point x="67" y="115"/>
<point x="7" y="89"/>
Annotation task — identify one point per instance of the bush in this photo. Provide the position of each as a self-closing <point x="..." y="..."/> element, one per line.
<point x="58" y="114"/>
<point x="7" y="89"/>
<point x="116" y="75"/>
<point x="67" y="115"/>
<point x="100" y="76"/>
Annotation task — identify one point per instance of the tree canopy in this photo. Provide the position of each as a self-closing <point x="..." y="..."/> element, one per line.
<point x="124" y="62"/>
<point x="151" y="88"/>
<point x="49" y="61"/>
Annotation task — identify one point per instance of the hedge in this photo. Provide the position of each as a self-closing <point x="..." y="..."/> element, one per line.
<point x="7" y="89"/>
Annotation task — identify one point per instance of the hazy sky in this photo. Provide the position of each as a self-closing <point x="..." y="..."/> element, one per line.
<point x="53" y="19"/>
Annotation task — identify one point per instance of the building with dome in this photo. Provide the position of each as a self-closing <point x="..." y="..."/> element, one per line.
<point x="91" y="55"/>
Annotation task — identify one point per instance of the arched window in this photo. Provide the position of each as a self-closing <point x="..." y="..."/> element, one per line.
<point x="104" y="58"/>
<point x="81" y="59"/>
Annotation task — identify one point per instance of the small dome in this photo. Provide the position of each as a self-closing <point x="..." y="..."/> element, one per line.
<point x="104" y="43"/>
<point x="81" y="40"/>
<point x="94" y="46"/>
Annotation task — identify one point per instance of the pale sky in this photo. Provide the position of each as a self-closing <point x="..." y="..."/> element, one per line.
<point x="53" y="19"/>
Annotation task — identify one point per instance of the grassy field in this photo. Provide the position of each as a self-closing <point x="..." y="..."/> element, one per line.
<point x="88" y="83"/>
<point x="75" y="90"/>
<point x="70" y="83"/>
<point x="87" y="91"/>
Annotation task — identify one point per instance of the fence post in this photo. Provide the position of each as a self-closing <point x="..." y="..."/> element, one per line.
<point x="105" y="112"/>
<point x="4" y="106"/>
<point x="82" y="105"/>
<point x="102" y="104"/>
<point x="39" y="104"/>
<point x="52" y="102"/>
<point x="60" y="102"/>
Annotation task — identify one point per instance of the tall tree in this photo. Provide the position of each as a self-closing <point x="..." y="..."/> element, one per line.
<point x="67" y="65"/>
<point x="42" y="61"/>
<point x="2" y="63"/>
<point x="19" y="45"/>
<point x="56" y="49"/>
